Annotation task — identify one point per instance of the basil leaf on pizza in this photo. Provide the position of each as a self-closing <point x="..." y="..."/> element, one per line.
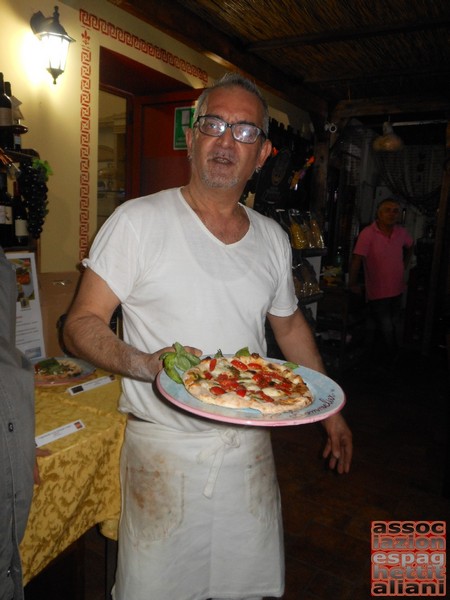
<point x="247" y="381"/>
<point x="180" y="359"/>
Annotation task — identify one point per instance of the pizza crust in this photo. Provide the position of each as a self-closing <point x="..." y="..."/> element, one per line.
<point x="247" y="382"/>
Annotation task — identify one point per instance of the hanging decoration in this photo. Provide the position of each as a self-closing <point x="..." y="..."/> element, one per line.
<point x="33" y="188"/>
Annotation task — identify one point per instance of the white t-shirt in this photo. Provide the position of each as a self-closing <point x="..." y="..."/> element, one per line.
<point x="178" y="283"/>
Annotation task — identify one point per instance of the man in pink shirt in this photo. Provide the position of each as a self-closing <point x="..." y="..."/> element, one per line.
<point x="384" y="248"/>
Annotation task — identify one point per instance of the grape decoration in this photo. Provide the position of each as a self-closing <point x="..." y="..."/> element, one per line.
<point x="33" y="188"/>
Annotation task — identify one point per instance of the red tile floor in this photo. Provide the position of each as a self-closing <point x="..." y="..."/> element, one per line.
<point x="400" y="422"/>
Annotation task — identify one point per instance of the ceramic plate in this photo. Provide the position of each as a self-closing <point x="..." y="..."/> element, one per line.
<point x="328" y="396"/>
<point x="86" y="370"/>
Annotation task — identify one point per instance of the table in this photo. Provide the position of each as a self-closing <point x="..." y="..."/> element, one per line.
<point x="80" y="478"/>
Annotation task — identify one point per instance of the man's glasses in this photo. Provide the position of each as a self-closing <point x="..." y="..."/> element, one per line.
<point x="246" y="133"/>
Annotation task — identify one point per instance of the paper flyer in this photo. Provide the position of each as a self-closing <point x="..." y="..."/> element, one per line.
<point x="29" y="330"/>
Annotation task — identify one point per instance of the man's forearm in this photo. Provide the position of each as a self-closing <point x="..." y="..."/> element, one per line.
<point x="88" y="337"/>
<point x="297" y="343"/>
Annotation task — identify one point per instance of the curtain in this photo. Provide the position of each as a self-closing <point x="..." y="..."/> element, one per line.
<point x="414" y="173"/>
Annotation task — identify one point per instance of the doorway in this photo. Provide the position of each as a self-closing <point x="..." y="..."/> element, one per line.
<point x="135" y="154"/>
<point x="111" y="154"/>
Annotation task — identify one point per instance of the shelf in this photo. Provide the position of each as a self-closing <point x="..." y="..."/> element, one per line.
<point x="308" y="252"/>
<point x="28" y="248"/>
<point x="23" y="155"/>
<point x="303" y="300"/>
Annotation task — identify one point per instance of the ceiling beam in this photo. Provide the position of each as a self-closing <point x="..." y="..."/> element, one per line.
<point x="348" y="34"/>
<point x="390" y="105"/>
<point x="185" y="26"/>
<point x="386" y="74"/>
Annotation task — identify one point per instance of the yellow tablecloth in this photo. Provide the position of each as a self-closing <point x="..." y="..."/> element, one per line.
<point x="80" y="478"/>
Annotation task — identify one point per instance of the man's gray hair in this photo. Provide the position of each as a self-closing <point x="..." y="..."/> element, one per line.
<point x="235" y="80"/>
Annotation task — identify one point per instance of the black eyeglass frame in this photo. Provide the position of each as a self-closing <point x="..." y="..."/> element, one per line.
<point x="231" y="126"/>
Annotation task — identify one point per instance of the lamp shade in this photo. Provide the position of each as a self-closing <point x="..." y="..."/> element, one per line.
<point x="55" y="41"/>
<point x="389" y="141"/>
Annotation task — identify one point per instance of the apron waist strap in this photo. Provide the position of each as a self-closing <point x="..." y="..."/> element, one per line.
<point x="229" y="438"/>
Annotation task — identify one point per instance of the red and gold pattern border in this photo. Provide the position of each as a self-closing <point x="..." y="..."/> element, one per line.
<point x="132" y="41"/>
<point x="85" y="143"/>
<point x="93" y="22"/>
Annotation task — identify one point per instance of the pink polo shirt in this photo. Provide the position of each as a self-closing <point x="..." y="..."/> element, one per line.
<point x="383" y="260"/>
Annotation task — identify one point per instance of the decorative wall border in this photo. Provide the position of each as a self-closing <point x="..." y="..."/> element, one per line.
<point x="116" y="33"/>
<point x="85" y="143"/>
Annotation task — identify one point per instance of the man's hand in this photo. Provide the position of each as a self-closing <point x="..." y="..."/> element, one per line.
<point x="339" y="446"/>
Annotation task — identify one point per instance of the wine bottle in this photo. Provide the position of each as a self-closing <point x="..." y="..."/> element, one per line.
<point x="17" y="128"/>
<point x="6" y="119"/>
<point x="6" y="215"/>
<point x="20" y="218"/>
<point x="339" y="264"/>
<point x="8" y="94"/>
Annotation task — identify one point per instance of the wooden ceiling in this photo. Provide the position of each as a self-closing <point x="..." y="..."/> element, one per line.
<point x="369" y="59"/>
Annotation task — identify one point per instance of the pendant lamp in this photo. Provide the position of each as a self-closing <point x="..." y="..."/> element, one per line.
<point x="389" y="141"/>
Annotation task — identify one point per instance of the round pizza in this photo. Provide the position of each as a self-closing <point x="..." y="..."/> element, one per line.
<point x="52" y="369"/>
<point x="247" y="382"/>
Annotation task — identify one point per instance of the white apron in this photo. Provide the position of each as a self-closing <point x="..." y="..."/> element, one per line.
<point x="201" y="515"/>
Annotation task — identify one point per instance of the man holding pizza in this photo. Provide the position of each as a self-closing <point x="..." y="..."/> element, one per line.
<point x="201" y="513"/>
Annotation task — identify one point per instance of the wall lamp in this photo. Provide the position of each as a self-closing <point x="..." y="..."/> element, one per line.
<point x="55" y="41"/>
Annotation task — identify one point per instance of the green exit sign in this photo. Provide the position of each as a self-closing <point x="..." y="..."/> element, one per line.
<point x="183" y="120"/>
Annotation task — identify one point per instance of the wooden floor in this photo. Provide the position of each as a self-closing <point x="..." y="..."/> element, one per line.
<point x="400" y="423"/>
